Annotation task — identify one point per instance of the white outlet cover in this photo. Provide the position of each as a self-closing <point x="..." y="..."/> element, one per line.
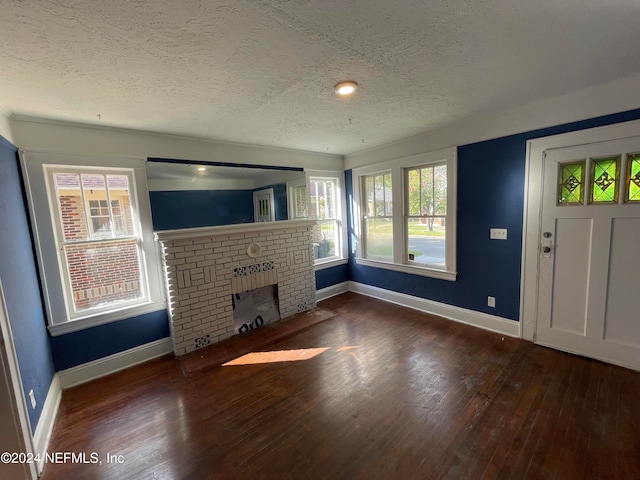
<point x="491" y="301"/>
<point x="32" y="396"/>
<point x="498" y="234"/>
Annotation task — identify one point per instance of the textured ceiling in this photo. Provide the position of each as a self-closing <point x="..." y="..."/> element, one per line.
<point x="262" y="72"/>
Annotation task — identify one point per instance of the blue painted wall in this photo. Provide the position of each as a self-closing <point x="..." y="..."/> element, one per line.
<point x="21" y="287"/>
<point x="97" y="342"/>
<point x="331" y="276"/>
<point x="200" y="208"/>
<point x="210" y="208"/>
<point x="490" y="195"/>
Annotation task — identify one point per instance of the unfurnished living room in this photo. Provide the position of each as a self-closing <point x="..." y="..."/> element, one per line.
<point x="319" y="239"/>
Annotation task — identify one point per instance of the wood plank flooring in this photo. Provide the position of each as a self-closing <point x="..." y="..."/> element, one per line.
<point x="395" y="394"/>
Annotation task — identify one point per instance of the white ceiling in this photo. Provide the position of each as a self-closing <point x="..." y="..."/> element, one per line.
<point x="262" y="72"/>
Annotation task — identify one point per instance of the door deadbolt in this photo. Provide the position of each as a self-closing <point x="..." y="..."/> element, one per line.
<point x="546" y="234"/>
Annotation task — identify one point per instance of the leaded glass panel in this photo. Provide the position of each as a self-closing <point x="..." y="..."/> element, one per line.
<point x="633" y="178"/>
<point x="605" y="177"/>
<point x="571" y="183"/>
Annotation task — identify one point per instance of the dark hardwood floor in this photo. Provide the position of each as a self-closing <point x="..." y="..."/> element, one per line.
<point x="397" y="394"/>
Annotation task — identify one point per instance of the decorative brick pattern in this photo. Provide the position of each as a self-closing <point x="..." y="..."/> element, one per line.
<point x="202" y="272"/>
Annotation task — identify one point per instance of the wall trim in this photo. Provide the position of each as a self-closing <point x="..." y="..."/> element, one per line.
<point x="42" y="435"/>
<point x="118" y="361"/>
<point x="332" y="291"/>
<point x="485" y="321"/>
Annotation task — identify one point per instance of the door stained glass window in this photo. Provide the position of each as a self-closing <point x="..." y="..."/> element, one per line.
<point x="605" y="174"/>
<point x="571" y="183"/>
<point x="633" y="178"/>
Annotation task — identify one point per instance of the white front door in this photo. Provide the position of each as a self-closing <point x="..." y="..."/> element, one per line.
<point x="589" y="251"/>
<point x="263" y="205"/>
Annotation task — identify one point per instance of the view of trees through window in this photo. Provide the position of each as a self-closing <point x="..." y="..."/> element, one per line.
<point x="426" y="197"/>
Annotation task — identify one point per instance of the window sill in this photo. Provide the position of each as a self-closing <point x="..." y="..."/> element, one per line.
<point x="105" y="317"/>
<point x="425" y="272"/>
<point x="321" y="265"/>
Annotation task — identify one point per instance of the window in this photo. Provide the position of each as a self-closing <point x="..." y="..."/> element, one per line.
<point x="94" y="239"/>
<point x="297" y="200"/>
<point x="378" y="220"/>
<point x="321" y="198"/>
<point x="323" y="203"/>
<point x="100" y="247"/>
<point x="419" y="236"/>
<point x="426" y="217"/>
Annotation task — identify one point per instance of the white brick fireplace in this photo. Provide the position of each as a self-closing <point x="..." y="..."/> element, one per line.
<point x="203" y="267"/>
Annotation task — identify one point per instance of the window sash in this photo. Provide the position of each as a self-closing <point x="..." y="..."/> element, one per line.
<point x="89" y="285"/>
<point x="377" y="201"/>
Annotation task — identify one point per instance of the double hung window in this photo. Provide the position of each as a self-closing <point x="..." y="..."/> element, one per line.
<point x="321" y="198"/>
<point x="324" y="206"/>
<point x="406" y="217"/>
<point x="93" y="233"/>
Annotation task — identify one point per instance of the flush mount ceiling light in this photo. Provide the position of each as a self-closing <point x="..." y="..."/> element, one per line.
<point x="346" y="88"/>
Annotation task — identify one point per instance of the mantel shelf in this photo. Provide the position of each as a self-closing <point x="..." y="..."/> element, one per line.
<point x="186" y="233"/>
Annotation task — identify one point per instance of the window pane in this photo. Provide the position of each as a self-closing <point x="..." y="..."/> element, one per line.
<point x="323" y="199"/>
<point x="121" y="210"/>
<point x="426" y="240"/>
<point x="605" y="175"/>
<point x="300" y="202"/>
<point x="379" y="238"/>
<point x="379" y="195"/>
<point x="440" y="190"/>
<point x="72" y="217"/>
<point x="388" y="199"/>
<point x="426" y="191"/>
<point x="413" y="196"/>
<point x="94" y="189"/>
<point x="103" y="273"/>
<point x="325" y="236"/>
<point x="571" y="182"/>
<point x="633" y="178"/>
<point x="368" y="196"/>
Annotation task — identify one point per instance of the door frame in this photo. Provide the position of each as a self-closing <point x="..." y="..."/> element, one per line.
<point x="536" y="149"/>
<point x="18" y="413"/>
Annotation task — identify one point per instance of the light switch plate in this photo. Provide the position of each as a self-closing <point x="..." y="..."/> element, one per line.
<point x="498" y="234"/>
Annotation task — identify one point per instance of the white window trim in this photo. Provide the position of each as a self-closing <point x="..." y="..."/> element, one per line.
<point x="42" y="213"/>
<point x="342" y="256"/>
<point x="397" y="168"/>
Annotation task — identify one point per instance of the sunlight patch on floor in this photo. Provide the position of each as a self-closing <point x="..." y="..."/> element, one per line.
<point x="254" y="358"/>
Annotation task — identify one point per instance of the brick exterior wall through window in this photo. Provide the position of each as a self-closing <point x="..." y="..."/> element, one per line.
<point x="103" y="273"/>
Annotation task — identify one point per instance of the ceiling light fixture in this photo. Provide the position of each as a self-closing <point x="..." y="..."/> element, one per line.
<point x="346" y="88"/>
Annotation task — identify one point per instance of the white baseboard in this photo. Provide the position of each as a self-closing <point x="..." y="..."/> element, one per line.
<point x="44" y="428"/>
<point x="332" y="291"/>
<point x="113" y="363"/>
<point x="485" y="321"/>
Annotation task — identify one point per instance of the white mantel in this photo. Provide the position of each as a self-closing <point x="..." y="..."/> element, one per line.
<point x="185" y="233"/>
<point x="204" y="266"/>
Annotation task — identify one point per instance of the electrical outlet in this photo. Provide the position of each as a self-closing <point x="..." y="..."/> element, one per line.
<point x="498" y="234"/>
<point x="491" y="301"/>
<point x="32" y="396"/>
